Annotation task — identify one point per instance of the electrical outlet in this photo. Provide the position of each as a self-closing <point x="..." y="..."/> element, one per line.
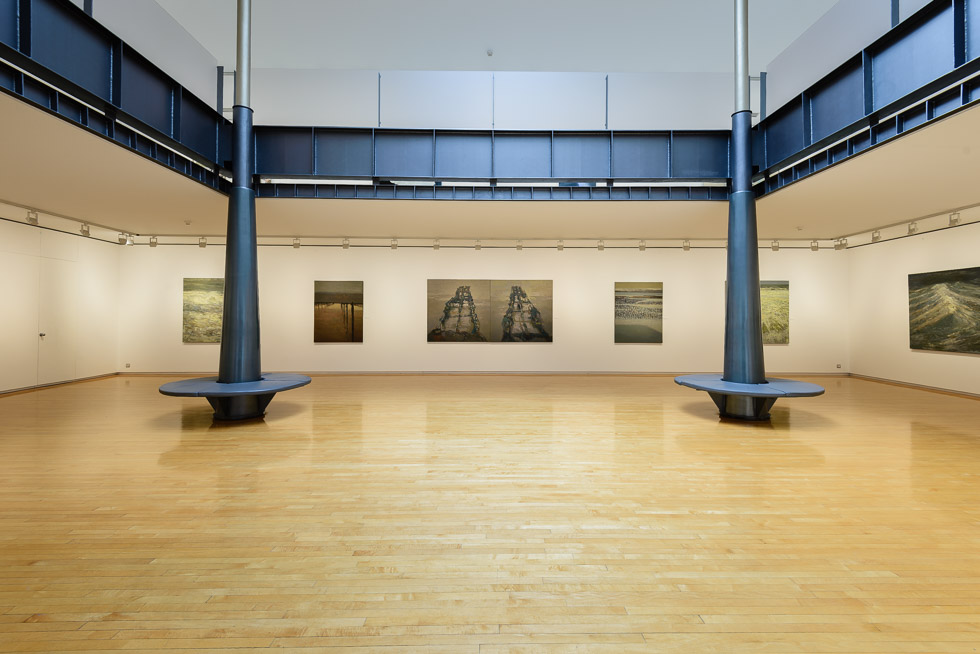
<point x="127" y="365"/>
<point x="838" y="365"/>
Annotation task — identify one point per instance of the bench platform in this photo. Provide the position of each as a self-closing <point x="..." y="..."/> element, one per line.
<point x="748" y="401"/>
<point x="236" y="401"/>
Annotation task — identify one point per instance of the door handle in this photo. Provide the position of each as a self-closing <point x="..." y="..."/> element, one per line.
<point x="42" y="334"/>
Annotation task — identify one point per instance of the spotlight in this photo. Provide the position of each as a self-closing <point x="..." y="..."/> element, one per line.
<point x="296" y="243"/>
<point x="435" y="244"/>
<point x="477" y="246"/>
<point x="394" y="244"/>
<point x="345" y="243"/>
<point x="153" y="241"/>
<point x="31" y="217"/>
<point x="954" y="219"/>
<point x="130" y="240"/>
<point x="202" y="242"/>
<point x="814" y="245"/>
<point x="520" y="245"/>
<point x="561" y="246"/>
<point x="876" y="236"/>
<point x="84" y="230"/>
<point x="600" y="246"/>
<point x="775" y="246"/>
<point x="840" y="244"/>
<point x="913" y="228"/>
<point x="643" y="246"/>
<point x="121" y="238"/>
<point x="686" y="245"/>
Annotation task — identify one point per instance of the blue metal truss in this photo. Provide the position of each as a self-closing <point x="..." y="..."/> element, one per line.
<point x="454" y="157"/>
<point x="921" y="70"/>
<point x="62" y="60"/>
<point x="55" y="56"/>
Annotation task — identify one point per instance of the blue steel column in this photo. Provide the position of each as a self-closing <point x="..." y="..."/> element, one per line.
<point x="240" y="357"/>
<point x="744" y="362"/>
<point x="240" y="391"/>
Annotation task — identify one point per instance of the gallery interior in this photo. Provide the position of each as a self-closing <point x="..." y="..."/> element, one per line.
<point x="484" y="257"/>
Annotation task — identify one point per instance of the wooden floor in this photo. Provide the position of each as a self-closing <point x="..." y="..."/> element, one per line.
<point x="489" y="514"/>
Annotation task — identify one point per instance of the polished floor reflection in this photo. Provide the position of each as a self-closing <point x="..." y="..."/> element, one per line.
<point x="489" y="514"/>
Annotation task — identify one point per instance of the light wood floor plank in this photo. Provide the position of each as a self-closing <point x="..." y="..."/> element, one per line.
<point x="489" y="515"/>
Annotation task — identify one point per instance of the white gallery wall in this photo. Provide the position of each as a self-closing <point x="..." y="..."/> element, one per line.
<point x="879" y="309"/>
<point x="102" y="306"/>
<point x="488" y="100"/>
<point x="395" y="309"/>
<point x="65" y="287"/>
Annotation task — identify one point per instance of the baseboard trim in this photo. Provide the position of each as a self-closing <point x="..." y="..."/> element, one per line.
<point x="919" y="387"/>
<point x="475" y="373"/>
<point x="38" y="387"/>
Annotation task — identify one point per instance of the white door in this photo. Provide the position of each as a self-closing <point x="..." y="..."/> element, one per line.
<point x="57" y="309"/>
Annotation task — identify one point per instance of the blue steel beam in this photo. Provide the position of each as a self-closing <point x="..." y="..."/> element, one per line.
<point x="920" y="70"/>
<point x="55" y="41"/>
<point x="461" y="191"/>
<point x="454" y="157"/>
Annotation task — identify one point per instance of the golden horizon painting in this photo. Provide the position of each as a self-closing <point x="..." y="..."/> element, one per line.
<point x="338" y="312"/>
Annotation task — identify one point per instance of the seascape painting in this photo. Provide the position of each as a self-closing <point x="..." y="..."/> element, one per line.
<point x="639" y="312"/>
<point x="203" y="307"/>
<point x="944" y="311"/>
<point x="481" y="310"/>
<point x="338" y="312"/>
<point x="458" y="310"/>
<point x="775" y="312"/>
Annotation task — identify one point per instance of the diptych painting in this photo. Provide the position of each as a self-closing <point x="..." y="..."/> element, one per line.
<point x="481" y="310"/>
<point x="338" y="312"/>
<point x="944" y="311"/>
<point x="203" y="306"/>
<point x="639" y="314"/>
<point x="775" y="312"/>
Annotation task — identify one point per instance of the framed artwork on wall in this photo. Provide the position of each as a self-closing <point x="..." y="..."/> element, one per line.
<point x="203" y="305"/>
<point x="775" y="312"/>
<point x="458" y="310"/>
<point x="944" y="311"/>
<point x="338" y="312"/>
<point x="521" y="311"/>
<point x="482" y="310"/>
<point x="639" y="312"/>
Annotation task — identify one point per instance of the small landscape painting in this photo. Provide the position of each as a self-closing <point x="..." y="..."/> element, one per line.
<point x="639" y="315"/>
<point x="775" y="312"/>
<point x="203" y="306"/>
<point x="338" y="312"/>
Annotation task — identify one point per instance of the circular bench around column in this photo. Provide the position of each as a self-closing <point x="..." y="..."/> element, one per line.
<point x="237" y="401"/>
<point x="748" y="401"/>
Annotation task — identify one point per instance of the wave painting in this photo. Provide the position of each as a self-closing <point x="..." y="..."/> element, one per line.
<point x="944" y="311"/>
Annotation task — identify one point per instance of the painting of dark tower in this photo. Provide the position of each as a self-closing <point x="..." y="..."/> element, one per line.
<point x="521" y="311"/>
<point x="944" y="311"/>
<point x="338" y="312"/>
<point x="456" y="310"/>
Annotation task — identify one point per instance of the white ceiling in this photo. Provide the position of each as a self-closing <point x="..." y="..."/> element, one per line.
<point x="59" y="168"/>
<point x="543" y="35"/>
